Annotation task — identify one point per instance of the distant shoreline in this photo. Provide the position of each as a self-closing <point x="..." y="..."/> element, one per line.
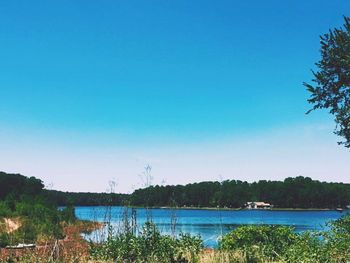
<point x="220" y="208"/>
<point x="239" y="209"/>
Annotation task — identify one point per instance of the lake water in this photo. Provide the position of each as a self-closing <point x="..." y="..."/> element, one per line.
<point x="210" y="224"/>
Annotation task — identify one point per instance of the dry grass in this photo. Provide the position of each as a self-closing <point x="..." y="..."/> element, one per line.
<point x="2" y="225"/>
<point x="216" y="256"/>
<point x="207" y="256"/>
<point x="11" y="224"/>
<point x="73" y="248"/>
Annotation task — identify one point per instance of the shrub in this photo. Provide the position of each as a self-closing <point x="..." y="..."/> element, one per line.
<point x="27" y="233"/>
<point x="4" y="239"/>
<point x="269" y="241"/>
<point x="38" y="221"/>
<point x="67" y="215"/>
<point x="4" y="210"/>
<point x="308" y="247"/>
<point x="148" y="246"/>
<point x="337" y="240"/>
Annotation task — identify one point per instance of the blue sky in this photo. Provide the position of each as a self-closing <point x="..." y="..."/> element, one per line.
<point x="99" y="89"/>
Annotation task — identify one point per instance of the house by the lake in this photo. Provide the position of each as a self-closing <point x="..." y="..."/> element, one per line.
<point x="258" y="205"/>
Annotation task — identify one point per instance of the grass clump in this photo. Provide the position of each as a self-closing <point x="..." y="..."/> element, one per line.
<point x="148" y="246"/>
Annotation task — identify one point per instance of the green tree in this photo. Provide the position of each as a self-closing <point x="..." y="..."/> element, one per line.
<point x="331" y="83"/>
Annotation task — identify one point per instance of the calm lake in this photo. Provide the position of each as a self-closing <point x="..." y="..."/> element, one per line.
<point x="210" y="224"/>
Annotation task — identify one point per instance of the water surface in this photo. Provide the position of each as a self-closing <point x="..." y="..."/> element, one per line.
<point x="209" y="224"/>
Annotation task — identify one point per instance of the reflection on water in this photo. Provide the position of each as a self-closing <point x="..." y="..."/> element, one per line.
<point x="209" y="224"/>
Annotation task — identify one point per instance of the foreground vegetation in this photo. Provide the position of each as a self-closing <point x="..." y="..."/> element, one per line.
<point x="25" y="215"/>
<point x="148" y="246"/>
<point x="281" y="244"/>
<point x="245" y="244"/>
<point x="264" y="243"/>
<point x="56" y="232"/>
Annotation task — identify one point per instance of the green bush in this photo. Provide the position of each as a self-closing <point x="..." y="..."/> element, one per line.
<point x="308" y="247"/>
<point x="5" y="211"/>
<point x="27" y="233"/>
<point x="148" y="246"/>
<point x="67" y="215"/>
<point x="331" y="246"/>
<point x="337" y="240"/>
<point x="38" y="221"/>
<point x="44" y="220"/>
<point x="4" y="239"/>
<point x="271" y="241"/>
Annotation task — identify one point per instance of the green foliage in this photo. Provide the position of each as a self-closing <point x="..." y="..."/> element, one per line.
<point x="84" y="199"/>
<point x="148" y="246"/>
<point x="331" y="89"/>
<point x="308" y="247"/>
<point x="18" y="185"/>
<point x="4" y="210"/>
<point x="4" y="239"/>
<point x="27" y="233"/>
<point x="341" y="226"/>
<point x="328" y="246"/>
<point x="67" y="215"/>
<point x="23" y="198"/>
<point x="337" y="240"/>
<point x="38" y="221"/>
<point x="276" y="243"/>
<point x="271" y="241"/>
<point x="298" y="192"/>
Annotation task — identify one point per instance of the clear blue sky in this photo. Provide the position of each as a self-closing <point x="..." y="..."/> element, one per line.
<point x="137" y="82"/>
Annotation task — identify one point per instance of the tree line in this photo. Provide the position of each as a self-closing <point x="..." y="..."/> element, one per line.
<point x="85" y="198"/>
<point x="298" y="192"/>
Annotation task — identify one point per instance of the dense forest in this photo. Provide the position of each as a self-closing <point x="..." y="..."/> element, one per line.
<point x="14" y="187"/>
<point x="84" y="199"/>
<point x="298" y="192"/>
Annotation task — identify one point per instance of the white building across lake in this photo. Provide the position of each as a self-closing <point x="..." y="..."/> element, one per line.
<point x="258" y="205"/>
